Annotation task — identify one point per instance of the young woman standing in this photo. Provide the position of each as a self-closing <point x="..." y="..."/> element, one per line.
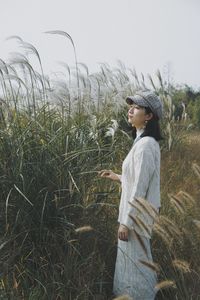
<point x="140" y="178"/>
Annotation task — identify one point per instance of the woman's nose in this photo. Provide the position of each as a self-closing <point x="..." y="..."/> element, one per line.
<point x="131" y="109"/>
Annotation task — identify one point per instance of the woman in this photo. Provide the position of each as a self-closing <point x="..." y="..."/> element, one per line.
<point x="140" y="179"/>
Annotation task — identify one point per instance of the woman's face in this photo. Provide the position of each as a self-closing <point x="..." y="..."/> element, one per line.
<point x="137" y="115"/>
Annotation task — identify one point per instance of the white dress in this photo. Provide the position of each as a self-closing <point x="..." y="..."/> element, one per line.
<point x="140" y="178"/>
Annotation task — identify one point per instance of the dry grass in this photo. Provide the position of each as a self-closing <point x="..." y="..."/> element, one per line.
<point x="83" y="229"/>
<point x="124" y="297"/>
<point x="181" y="265"/>
<point x="178" y="224"/>
<point x="151" y="265"/>
<point x="165" y="284"/>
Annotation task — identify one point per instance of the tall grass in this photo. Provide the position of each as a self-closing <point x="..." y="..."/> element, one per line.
<point x="58" y="219"/>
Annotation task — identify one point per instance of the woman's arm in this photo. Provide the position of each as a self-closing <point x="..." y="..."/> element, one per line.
<point x="144" y="166"/>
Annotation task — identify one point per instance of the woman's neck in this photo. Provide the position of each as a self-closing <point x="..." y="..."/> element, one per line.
<point x="139" y="131"/>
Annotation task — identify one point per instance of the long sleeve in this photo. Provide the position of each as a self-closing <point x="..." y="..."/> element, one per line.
<point x="143" y="164"/>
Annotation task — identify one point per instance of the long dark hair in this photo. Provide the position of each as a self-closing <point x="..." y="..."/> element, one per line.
<point x="152" y="127"/>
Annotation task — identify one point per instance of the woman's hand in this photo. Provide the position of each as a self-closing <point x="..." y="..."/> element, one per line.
<point x="109" y="174"/>
<point x="123" y="233"/>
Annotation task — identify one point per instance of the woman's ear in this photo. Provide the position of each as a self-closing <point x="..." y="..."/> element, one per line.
<point x="149" y="116"/>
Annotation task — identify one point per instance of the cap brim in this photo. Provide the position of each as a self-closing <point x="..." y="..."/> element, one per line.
<point x="129" y="100"/>
<point x="137" y="100"/>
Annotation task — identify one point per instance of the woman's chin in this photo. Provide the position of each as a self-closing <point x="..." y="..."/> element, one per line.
<point x="130" y="121"/>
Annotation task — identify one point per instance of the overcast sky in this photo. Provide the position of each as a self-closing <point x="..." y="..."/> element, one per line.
<point x="145" y="34"/>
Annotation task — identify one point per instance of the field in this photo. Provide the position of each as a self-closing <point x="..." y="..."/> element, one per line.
<point x="58" y="218"/>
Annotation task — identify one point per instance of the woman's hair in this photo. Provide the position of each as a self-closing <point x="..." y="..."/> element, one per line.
<point x="152" y="127"/>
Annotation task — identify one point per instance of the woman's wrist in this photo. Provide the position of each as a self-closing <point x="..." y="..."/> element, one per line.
<point x="124" y="226"/>
<point x="118" y="177"/>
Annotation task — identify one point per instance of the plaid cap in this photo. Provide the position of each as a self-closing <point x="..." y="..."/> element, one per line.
<point x="147" y="99"/>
